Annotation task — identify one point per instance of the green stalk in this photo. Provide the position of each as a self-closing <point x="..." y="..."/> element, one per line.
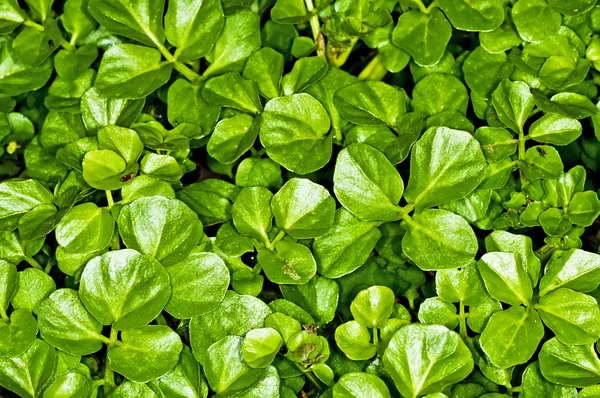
<point x="375" y="337"/>
<point x="33" y="25"/>
<point x="179" y="66"/>
<point x="374" y="69"/>
<point x="462" y="320"/>
<point x="109" y="374"/>
<point x="279" y="236"/>
<point x="109" y="199"/>
<point x="34" y="263"/>
<point x="315" y="27"/>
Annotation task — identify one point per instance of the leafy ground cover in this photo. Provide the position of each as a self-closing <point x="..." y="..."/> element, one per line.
<point x="299" y="198"/>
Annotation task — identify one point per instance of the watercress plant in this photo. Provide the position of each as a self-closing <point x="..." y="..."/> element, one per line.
<point x="312" y="198"/>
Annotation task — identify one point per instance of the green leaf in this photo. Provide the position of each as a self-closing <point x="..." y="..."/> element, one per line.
<point x="99" y="111"/>
<point x="103" y="169"/>
<point x="33" y="286"/>
<point x="210" y="199"/>
<point x="572" y="8"/>
<point x="574" y="269"/>
<point x="259" y="172"/>
<point x="435" y="311"/>
<point x="193" y="27"/>
<point x="85" y="228"/>
<point x="198" y="285"/>
<point x="372" y="307"/>
<point x="319" y="297"/>
<point x="145" y="354"/>
<point x="186" y="105"/>
<point x="483" y="71"/>
<point x="439" y="92"/>
<point x="17" y="78"/>
<point x="346" y="246"/>
<point x="164" y="167"/>
<point x="496" y="143"/>
<point x="478" y="15"/>
<point x="252" y="214"/>
<point x="303" y="209"/>
<point x="534" y="385"/>
<point x="512" y="336"/>
<point x="66" y="324"/>
<point x="18" y="333"/>
<point x="367" y="184"/>
<point x="232" y="138"/>
<point x="140" y="20"/>
<point x="438" y="239"/>
<point x="542" y="161"/>
<point x="446" y="165"/>
<point x="239" y="38"/>
<point x="573" y="317"/>
<point x="260" y="347"/>
<point x="233" y="91"/>
<point x="72" y="384"/>
<point x="354" y="340"/>
<point x="124" y="289"/>
<point x="8" y="283"/>
<point x="32" y="47"/>
<point x="506" y="278"/>
<point x="424" y="36"/>
<point x="306" y="72"/>
<point x="584" y="208"/>
<point x="265" y="68"/>
<point x="77" y="20"/>
<point x="357" y="384"/>
<point x="423" y="359"/>
<point x="535" y="20"/>
<point x="576" y="366"/>
<point x="19" y="197"/>
<point x="11" y="16"/>
<point x="289" y="263"/>
<point x="164" y="228"/>
<point x="371" y="103"/>
<point x="290" y="12"/>
<point x="130" y="389"/>
<point x="513" y="103"/>
<point x="130" y="71"/>
<point x="237" y="315"/>
<point x="225" y="368"/>
<point x="185" y="378"/>
<point x="125" y="142"/>
<point x="26" y="375"/>
<point x="521" y="245"/>
<point x="461" y="285"/>
<point x="294" y="130"/>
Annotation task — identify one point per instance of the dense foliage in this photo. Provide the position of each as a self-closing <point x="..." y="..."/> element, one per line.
<point x="260" y="198"/>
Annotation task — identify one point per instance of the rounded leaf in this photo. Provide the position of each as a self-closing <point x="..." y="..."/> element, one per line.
<point x="164" y="228"/>
<point x="124" y="288"/>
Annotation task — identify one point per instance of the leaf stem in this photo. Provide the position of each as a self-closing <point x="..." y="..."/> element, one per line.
<point x="3" y="315"/>
<point x="462" y="320"/>
<point x="109" y="199"/>
<point x="337" y="56"/>
<point x="257" y="268"/>
<point x="277" y="238"/>
<point x="109" y="374"/>
<point x="315" y="27"/>
<point x="32" y="24"/>
<point x="374" y="69"/>
<point x="313" y="380"/>
<point x="34" y="263"/>
<point x="521" y="153"/>
<point x="179" y="66"/>
<point x="67" y="46"/>
<point x="73" y="40"/>
<point x="116" y="241"/>
<point x="375" y="337"/>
